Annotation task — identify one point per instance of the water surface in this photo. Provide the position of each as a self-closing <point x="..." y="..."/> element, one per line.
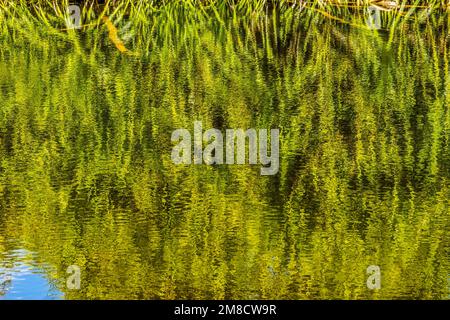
<point x="86" y="176"/>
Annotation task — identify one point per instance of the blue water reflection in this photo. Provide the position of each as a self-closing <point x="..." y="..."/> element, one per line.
<point x="21" y="278"/>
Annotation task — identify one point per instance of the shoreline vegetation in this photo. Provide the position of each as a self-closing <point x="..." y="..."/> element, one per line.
<point x="147" y="17"/>
<point x="250" y="8"/>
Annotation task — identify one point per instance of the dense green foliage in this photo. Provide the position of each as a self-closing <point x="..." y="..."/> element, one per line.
<point x="86" y="176"/>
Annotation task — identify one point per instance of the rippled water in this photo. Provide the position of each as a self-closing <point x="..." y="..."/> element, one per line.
<point x="22" y="278"/>
<point x="86" y="177"/>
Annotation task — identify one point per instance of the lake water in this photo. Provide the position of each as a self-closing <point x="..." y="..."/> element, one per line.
<point x="87" y="180"/>
<point x="21" y="278"/>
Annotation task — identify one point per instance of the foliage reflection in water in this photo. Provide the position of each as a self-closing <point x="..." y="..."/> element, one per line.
<point x="86" y="177"/>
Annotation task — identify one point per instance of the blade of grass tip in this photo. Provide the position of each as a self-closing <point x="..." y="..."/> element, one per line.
<point x="57" y="9"/>
<point x="103" y="13"/>
<point x="216" y="13"/>
<point x="42" y="15"/>
<point x="116" y="12"/>
<point x="394" y="25"/>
